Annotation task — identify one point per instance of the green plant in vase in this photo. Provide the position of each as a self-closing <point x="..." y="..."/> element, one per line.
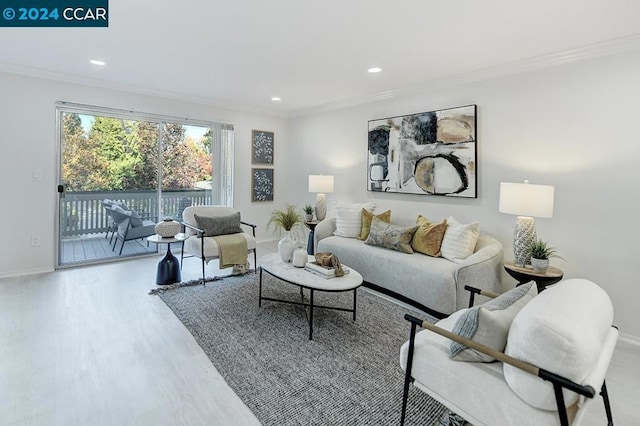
<point x="540" y="253"/>
<point x="287" y="220"/>
<point x="308" y="212"/>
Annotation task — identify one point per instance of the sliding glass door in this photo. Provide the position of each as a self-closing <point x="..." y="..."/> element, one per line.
<point x="121" y="173"/>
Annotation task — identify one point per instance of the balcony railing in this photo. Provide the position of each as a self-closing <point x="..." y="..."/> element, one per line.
<point x="82" y="213"/>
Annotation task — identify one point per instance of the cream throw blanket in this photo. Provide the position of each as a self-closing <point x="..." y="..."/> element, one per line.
<point x="232" y="250"/>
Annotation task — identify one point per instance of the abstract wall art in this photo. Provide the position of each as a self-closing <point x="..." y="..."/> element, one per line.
<point x="261" y="185"/>
<point x="261" y="147"/>
<point x="429" y="153"/>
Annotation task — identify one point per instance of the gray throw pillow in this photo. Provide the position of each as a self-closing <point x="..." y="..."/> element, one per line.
<point x="219" y="225"/>
<point x="390" y="236"/>
<point x="489" y="324"/>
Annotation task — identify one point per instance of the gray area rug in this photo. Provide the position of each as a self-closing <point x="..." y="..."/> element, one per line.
<point x="348" y="375"/>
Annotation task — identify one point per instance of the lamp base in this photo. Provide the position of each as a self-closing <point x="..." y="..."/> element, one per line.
<point x="523" y="236"/>
<point x="321" y="207"/>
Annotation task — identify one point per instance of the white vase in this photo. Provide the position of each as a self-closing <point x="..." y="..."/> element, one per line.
<point x="286" y="246"/>
<point x="300" y="257"/>
<point x="539" y="265"/>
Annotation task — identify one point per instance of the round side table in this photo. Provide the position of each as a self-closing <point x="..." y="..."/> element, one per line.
<point x="168" y="267"/>
<point x="542" y="279"/>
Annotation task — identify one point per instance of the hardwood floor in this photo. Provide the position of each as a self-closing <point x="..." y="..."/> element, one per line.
<point x="89" y="346"/>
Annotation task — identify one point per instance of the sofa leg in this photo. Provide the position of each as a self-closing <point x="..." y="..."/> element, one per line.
<point x="607" y="405"/>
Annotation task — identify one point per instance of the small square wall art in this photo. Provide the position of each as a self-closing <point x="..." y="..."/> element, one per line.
<point x="261" y="185"/>
<point x="261" y="147"/>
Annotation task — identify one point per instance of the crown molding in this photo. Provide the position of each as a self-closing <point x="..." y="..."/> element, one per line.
<point x="611" y="47"/>
<point x="101" y="84"/>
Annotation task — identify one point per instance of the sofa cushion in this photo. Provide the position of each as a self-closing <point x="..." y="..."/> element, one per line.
<point x="561" y="330"/>
<point x="390" y="236"/>
<point x="489" y="324"/>
<point x="349" y="218"/>
<point x="367" y="216"/>
<point x="459" y="240"/>
<point x="220" y="225"/>
<point x="428" y="237"/>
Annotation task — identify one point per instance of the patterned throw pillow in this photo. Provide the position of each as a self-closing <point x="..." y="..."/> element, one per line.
<point x="390" y="236"/>
<point x="349" y="218"/>
<point x="219" y="225"/>
<point x="428" y="237"/>
<point x="489" y="324"/>
<point x="459" y="240"/>
<point x="367" y="216"/>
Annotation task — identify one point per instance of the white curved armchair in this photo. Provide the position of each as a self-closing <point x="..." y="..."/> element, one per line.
<point x="206" y="248"/>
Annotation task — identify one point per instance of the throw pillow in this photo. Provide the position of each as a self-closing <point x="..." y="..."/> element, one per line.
<point x="219" y="225"/>
<point x="367" y="216"/>
<point x="428" y="237"/>
<point x="136" y="220"/>
<point x="459" y="240"/>
<point x="489" y="324"/>
<point x="349" y="219"/>
<point x="390" y="236"/>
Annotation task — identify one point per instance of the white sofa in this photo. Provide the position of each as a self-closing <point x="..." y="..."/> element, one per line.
<point x="433" y="284"/>
<point x="558" y="348"/>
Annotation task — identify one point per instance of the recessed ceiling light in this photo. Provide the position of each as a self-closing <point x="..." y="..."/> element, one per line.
<point x="97" y="62"/>
<point x="276" y="98"/>
<point x="374" y="70"/>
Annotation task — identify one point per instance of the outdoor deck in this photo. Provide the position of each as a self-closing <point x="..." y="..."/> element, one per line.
<point x="95" y="247"/>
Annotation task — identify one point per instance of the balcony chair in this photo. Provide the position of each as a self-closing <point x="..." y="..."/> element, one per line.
<point x="205" y="247"/>
<point x="552" y="357"/>
<point x="131" y="226"/>
<point x="112" y="225"/>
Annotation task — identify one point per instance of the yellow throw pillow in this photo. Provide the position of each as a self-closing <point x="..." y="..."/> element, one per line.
<point x="367" y="217"/>
<point x="428" y="237"/>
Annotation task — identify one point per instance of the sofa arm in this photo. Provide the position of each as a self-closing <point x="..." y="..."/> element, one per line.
<point x="324" y="229"/>
<point x="481" y="270"/>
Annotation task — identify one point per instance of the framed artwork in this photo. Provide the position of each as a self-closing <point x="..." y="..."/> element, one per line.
<point x="261" y="185"/>
<point x="429" y="153"/>
<point x="261" y="147"/>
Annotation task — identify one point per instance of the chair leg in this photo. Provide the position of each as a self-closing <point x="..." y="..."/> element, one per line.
<point x="121" y="247"/>
<point x="607" y="405"/>
<point x="255" y="262"/>
<point x="203" y="277"/>
<point x="407" y="376"/>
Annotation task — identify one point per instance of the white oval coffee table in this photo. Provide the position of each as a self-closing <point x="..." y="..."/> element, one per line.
<point x="273" y="265"/>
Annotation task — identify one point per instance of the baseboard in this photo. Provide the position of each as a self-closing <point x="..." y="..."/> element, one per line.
<point x="630" y="340"/>
<point x="404" y="299"/>
<point x="21" y="273"/>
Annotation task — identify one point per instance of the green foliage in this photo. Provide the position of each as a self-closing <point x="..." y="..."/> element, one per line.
<point x="288" y="219"/>
<point x="308" y="209"/>
<point x="540" y="250"/>
<point x="117" y="154"/>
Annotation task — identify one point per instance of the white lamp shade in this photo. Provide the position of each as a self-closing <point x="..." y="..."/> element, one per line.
<point x="525" y="199"/>
<point x="320" y="183"/>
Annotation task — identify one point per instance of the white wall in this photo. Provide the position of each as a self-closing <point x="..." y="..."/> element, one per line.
<point x="573" y="126"/>
<point x="28" y="141"/>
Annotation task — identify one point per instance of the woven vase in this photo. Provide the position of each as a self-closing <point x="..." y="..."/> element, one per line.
<point x="168" y="228"/>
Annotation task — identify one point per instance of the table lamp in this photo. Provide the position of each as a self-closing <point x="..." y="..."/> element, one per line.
<point x="321" y="184"/>
<point x="526" y="201"/>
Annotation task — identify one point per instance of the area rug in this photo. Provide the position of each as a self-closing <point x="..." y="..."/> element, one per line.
<point x="349" y="374"/>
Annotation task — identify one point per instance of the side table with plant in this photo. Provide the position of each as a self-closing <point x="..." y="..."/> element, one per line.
<point x="540" y="253"/>
<point x="288" y="220"/>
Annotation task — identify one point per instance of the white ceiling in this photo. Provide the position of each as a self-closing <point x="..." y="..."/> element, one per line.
<point x="315" y="55"/>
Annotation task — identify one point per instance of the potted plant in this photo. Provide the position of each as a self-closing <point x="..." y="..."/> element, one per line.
<point x="288" y="220"/>
<point x="540" y="254"/>
<point x="308" y="212"/>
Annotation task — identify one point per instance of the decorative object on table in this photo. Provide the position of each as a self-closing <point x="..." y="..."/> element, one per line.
<point x="540" y="254"/>
<point x="321" y="184"/>
<point x="526" y="201"/>
<point x="330" y="260"/>
<point x="288" y="220"/>
<point x="300" y="256"/>
<point x="308" y="212"/>
<point x="168" y="228"/>
<point x="429" y="153"/>
<point x="261" y="147"/>
<point x="261" y="185"/>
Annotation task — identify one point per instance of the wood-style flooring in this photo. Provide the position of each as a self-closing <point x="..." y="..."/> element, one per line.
<point x="89" y="346"/>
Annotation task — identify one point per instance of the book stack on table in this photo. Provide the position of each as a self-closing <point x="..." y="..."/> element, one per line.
<point x="323" y="271"/>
